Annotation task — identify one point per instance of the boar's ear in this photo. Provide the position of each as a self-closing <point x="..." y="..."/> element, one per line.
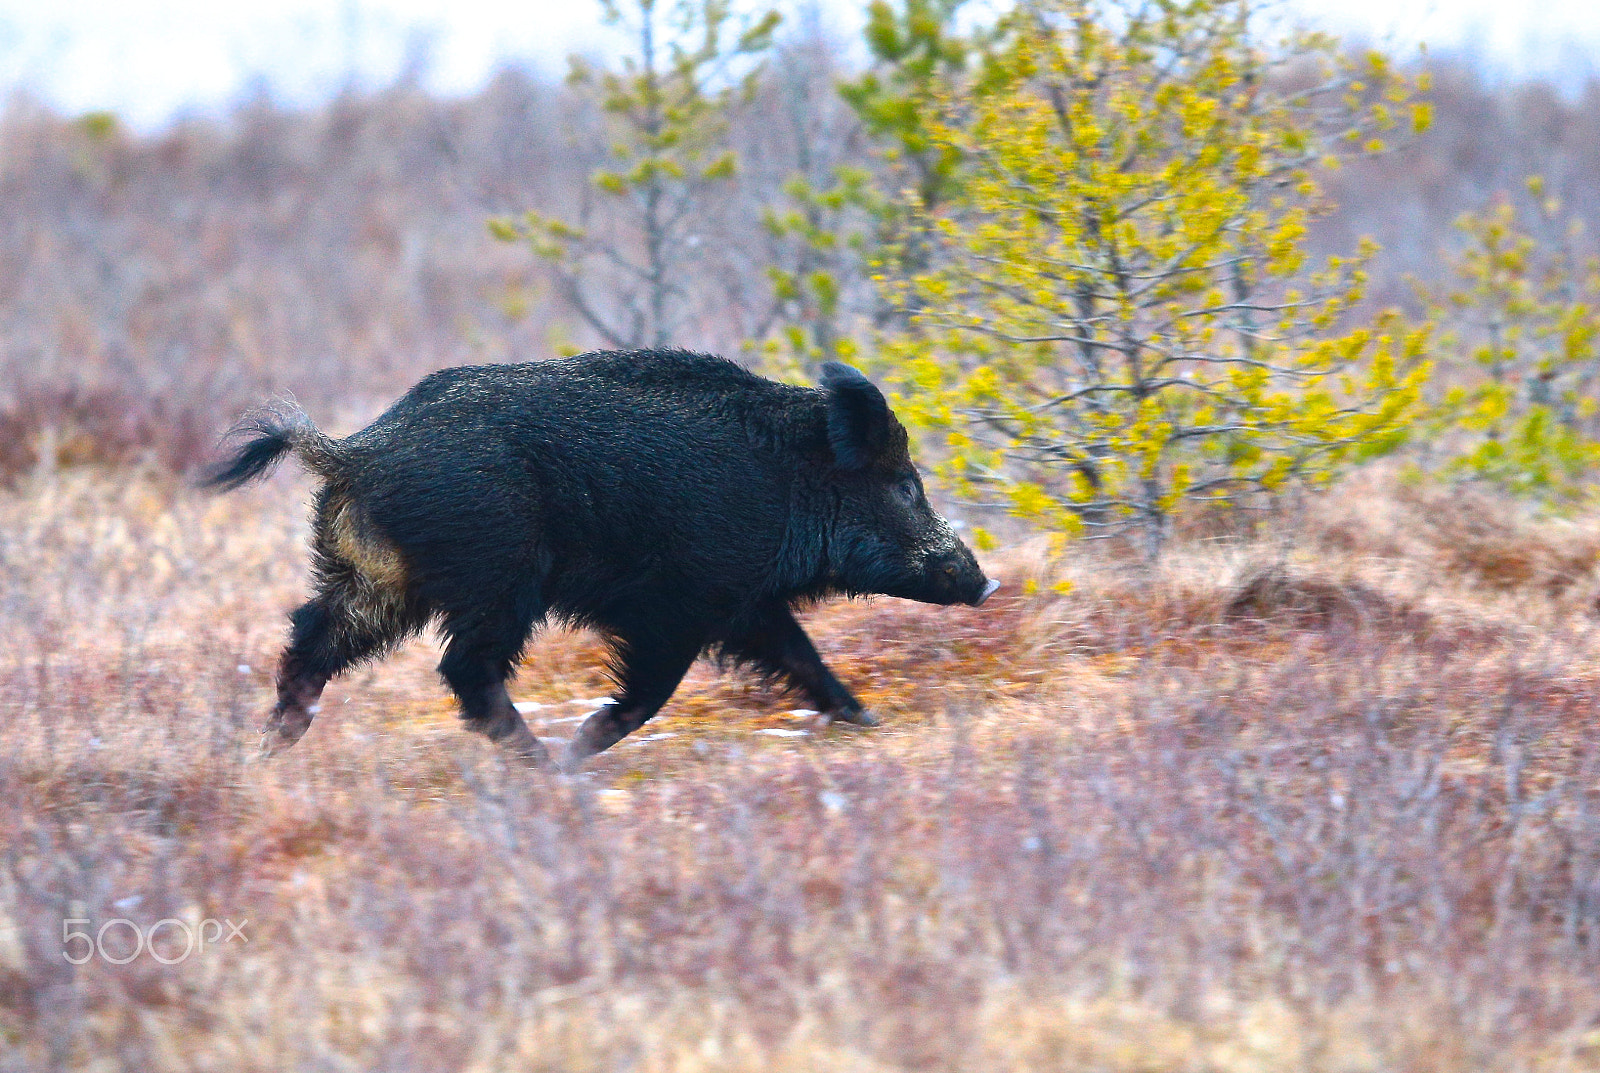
<point x="859" y="422"/>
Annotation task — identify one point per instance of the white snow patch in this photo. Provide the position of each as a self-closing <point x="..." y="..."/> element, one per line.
<point x="654" y="737"/>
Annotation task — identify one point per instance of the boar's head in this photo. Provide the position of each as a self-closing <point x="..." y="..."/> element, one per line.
<point x="885" y="537"/>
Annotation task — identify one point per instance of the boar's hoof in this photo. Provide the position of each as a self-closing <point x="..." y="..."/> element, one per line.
<point x="526" y="748"/>
<point x="515" y="740"/>
<point x="859" y="717"/>
<point x="286" y="727"/>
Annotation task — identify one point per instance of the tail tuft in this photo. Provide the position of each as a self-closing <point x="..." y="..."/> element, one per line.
<point x="273" y="432"/>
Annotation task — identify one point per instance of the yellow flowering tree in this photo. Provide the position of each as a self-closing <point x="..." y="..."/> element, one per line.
<point x="1120" y="315"/>
<point x="1525" y="316"/>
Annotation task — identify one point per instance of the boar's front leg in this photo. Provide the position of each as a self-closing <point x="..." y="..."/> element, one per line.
<point x="649" y="668"/>
<point x="775" y="643"/>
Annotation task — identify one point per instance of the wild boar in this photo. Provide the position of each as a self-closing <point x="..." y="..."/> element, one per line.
<point x="675" y="502"/>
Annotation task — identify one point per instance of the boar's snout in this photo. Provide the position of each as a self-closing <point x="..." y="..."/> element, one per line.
<point x="956" y="577"/>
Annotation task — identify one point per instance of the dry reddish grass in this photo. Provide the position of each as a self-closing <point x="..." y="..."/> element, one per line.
<point x="1326" y="805"/>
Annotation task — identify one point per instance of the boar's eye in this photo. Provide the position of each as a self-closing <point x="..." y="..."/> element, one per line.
<point x="906" y="490"/>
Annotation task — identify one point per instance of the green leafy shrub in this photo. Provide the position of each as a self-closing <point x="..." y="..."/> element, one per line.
<point x="1524" y="330"/>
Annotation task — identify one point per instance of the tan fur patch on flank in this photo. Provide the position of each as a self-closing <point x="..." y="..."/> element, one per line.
<point x="357" y="542"/>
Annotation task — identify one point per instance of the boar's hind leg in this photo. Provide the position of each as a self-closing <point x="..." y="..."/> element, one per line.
<point x="775" y="643"/>
<point x="325" y="638"/>
<point x="480" y="655"/>
<point x="648" y="672"/>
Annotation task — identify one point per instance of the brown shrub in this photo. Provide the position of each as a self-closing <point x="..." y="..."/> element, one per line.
<point x="63" y="427"/>
<point x="1304" y="600"/>
<point x="1499" y="546"/>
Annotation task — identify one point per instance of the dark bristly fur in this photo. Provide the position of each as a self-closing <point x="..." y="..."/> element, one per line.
<point x="676" y="502"/>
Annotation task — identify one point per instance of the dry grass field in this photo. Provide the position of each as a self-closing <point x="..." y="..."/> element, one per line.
<point x="1328" y="803"/>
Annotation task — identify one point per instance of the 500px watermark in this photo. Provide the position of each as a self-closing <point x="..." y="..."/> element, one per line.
<point x="169" y="941"/>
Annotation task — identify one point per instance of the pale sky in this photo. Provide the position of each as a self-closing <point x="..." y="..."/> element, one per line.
<point x="149" y="60"/>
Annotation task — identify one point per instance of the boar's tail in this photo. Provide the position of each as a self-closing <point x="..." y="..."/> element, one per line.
<point x="274" y="431"/>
